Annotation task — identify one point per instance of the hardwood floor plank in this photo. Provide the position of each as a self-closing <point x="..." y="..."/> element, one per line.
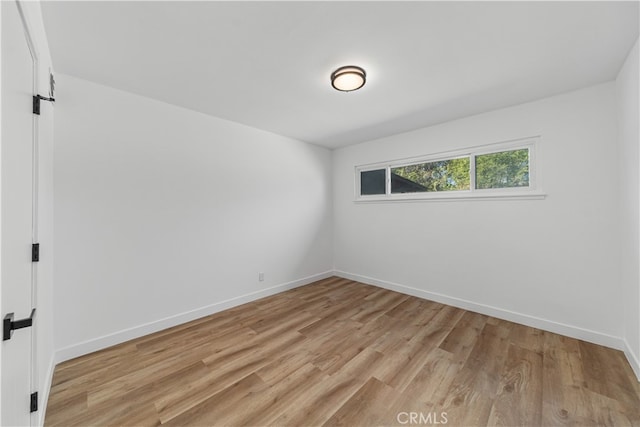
<point x="182" y="399"/>
<point x="379" y="305"/>
<point x="407" y="308"/>
<point x="474" y="389"/>
<point x="280" y="368"/>
<point x="367" y="407"/>
<point x="597" y="362"/>
<point x="464" y="335"/>
<point x="322" y="398"/>
<point x="61" y="407"/>
<point x="220" y="405"/>
<point x="403" y="362"/>
<point x="431" y="383"/>
<point x="264" y="407"/>
<point x="563" y="401"/>
<point x="521" y="388"/>
<point x="327" y="326"/>
<point x="133" y="375"/>
<point x="135" y="415"/>
<point x="610" y="412"/>
<point x="528" y="338"/>
<point x="82" y="366"/>
<point x="339" y="352"/>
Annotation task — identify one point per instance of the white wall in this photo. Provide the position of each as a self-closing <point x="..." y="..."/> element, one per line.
<point x="551" y="263"/>
<point x="163" y="215"/>
<point x="629" y="140"/>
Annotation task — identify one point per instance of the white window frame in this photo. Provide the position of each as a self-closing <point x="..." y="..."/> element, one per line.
<point x="530" y="192"/>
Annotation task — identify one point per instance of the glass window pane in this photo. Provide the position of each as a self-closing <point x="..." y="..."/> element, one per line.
<point x="503" y="170"/>
<point x="442" y="175"/>
<point x="372" y="182"/>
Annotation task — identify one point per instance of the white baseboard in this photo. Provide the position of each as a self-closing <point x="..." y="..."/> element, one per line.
<point x="524" y="319"/>
<point x="105" y="341"/>
<point x="634" y="359"/>
<point x="44" y="393"/>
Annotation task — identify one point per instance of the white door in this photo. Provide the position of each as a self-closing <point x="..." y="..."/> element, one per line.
<point x="17" y="274"/>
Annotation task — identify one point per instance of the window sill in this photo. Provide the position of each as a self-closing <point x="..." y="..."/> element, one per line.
<point x="451" y="197"/>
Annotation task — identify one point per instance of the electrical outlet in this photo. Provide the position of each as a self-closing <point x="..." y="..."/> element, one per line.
<point x="261" y="276"/>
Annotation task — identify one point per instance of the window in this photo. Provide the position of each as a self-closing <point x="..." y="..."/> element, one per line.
<point x="440" y="175"/>
<point x="504" y="169"/>
<point x="491" y="171"/>
<point x="372" y="182"/>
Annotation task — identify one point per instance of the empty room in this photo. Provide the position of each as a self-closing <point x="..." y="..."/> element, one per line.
<point x="309" y="213"/>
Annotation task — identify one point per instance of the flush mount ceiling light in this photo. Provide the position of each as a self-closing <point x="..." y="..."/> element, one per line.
<point x="348" y="78"/>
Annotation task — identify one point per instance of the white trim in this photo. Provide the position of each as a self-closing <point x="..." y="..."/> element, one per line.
<point x="632" y="358"/>
<point x="44" y="393"/>
<point x="27" y="33"/>
<point x="108" y="340"/>
<point x="35" y="76"/>
<point x="500" y="313"/>
<point x="472" y="172"/>
<point x="531" y="192"/>
<point x="449" y="196"/>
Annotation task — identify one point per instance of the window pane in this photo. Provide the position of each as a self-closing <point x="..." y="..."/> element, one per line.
<point x="372" y="182"/>
<point x="503" y="170"/>
<point x="442" y="175"/>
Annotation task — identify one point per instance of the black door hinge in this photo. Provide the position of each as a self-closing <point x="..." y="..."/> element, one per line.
<point x="36" y="102"/>
<point x="35" y="252"/>
<point x="34" y="401"/>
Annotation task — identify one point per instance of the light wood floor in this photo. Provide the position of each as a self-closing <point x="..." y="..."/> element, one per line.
<point x="338" y="352"/>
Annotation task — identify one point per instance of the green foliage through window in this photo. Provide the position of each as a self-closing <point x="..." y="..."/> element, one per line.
<point x="503" y="170"/>
<point x="441" y="175"/>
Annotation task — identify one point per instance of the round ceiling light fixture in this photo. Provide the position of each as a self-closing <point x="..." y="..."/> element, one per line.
<point x="348" y="78"/>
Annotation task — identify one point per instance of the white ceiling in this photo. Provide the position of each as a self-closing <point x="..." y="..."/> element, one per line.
<point x="267" y="64"/>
